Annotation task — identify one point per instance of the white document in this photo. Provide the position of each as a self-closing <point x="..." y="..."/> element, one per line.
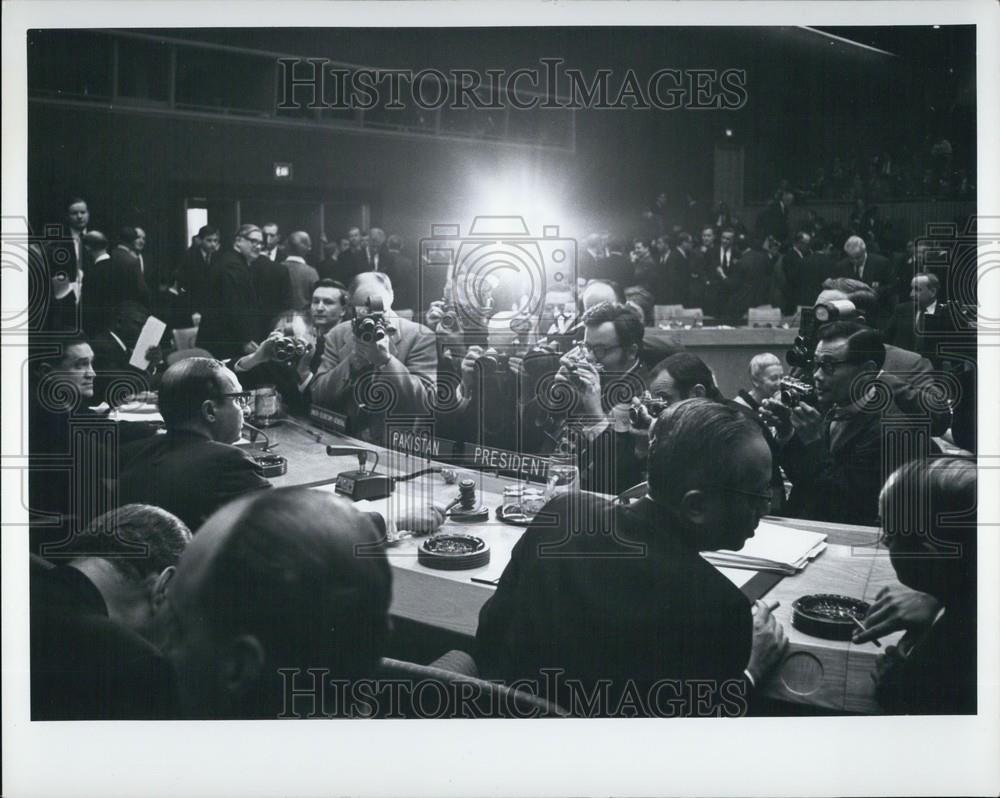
<point x="152" y="333"/>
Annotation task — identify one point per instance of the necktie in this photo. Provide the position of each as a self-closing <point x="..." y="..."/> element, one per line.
<point x="317" y="357"/>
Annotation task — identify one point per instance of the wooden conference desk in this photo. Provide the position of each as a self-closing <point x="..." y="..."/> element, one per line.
<point x="440" y="609"/>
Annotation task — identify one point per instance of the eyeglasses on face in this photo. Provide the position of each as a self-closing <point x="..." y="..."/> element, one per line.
<point x="254" y="242"/>
<point x="243" y="398"/>
<point x="829" y="367"/>
<point x="600" y="351"/>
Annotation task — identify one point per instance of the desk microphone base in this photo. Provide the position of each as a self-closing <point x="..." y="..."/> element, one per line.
<point x="363" y="485"/>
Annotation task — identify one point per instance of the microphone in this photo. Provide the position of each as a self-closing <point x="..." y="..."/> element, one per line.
<point x="361" y="484"/>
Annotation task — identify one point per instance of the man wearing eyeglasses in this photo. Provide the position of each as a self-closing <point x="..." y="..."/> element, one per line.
<point x="587" y="401"/>
<point x="838" y="454"/>
<point x="230" y="325"/>
<point x="193" y="469"/>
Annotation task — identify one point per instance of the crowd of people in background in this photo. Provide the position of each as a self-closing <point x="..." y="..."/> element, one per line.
<point x="579" y="380"/>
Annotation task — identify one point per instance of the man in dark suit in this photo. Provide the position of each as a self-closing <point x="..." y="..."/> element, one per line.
<point x="718" y="267"/>
<point x="89" y="618"/>
<point x="66" y="260"/>
<point x="273" y="584"/>
<point x="405" y="284"/>
<point x="273" y="285"/>
<point x="677" y="271"/>
<point x="230" y="324"/>
<point x="932" y="669"/>
<point x="924" y="324"/>
<point x="749" y="282"/>
<point x="872" y="269"/>
<point x="130" y="282"/>
<point x="630" y="611"/>
<point x="354" y="260"/>
<point x="193" y="278"/>
<point x="773" y="220"/>
<point x="836" y="454"/>
<point x="794" y="277"/>
<point x="117" y="380"/>
<point x="193" y="469"/>
<point x="103" y="294"/>
<point x="402" y="362"/>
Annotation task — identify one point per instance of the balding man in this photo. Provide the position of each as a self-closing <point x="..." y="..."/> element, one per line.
<point x="89" y="616"/>
<point x="193" y="469"/>
<point x="356" y="375"/>
<point x="302" y="276"/>
<point x="230" y="324"/>
<point x="865" y="266"/>
<point x="273" y="585"/>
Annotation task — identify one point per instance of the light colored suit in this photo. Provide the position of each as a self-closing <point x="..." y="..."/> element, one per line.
<point x="404" y="387"/>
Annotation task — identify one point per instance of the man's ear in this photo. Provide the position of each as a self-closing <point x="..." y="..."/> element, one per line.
<point x="208" y="411"/>
<point x="242" y="664"/>
<point x="697" y="392"/>
<point x="158" y="594"/>
<point x="694" y="507"/>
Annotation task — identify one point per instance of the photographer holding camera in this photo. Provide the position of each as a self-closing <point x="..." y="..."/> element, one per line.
<point x="378" y="364"/>
<point x="283" y="360"/>
<point x="833" y="444"/>
<point x="588" y="399"/>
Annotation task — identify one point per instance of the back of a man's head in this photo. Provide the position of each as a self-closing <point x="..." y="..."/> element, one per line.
<point x="283" y="580"/>
<point x="139" y="540"/>
<point x="692" y="446"/>
<point x="185" y="386"/>
<point x="860" y="294"/>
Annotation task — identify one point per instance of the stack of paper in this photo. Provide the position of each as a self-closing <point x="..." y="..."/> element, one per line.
<point x="780" y="549"/>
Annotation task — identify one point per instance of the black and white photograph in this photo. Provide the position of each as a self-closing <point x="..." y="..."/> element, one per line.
<point x="500" y="399"/>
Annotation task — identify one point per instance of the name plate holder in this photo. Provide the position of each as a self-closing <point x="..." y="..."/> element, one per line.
<point x="328" y="420"/>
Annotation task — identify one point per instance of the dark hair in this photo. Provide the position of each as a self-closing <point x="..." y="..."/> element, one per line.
<point x="60" y="343"/>
<point x="73" y="201"/>
<point x="691" y="446"/>
<point x="394" y="242"/>
<point x="683" y="238"/>
<point x="628" y="327"/>
<point x="326" y="282"/>
<point x="802" y="235"/>
<point x="127" y="235"/>
<point x="688" y="370"/>
<point x="139" y="540"/>
<point x="207" y="230"/>
<point x="185" y="386"/>
<point x="933" y="502"/>
<point x="305" y="573"/>
<point x="863" y="343"/>
<point x="245" y="230"/>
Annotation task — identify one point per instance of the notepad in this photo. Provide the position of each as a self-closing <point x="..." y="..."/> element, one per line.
<point x="776" y="548"/>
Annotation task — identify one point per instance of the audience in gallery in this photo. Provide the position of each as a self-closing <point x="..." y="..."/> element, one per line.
<point x="212" y="486"/>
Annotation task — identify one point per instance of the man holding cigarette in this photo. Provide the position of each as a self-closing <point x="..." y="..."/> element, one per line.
<point x="628" y="619"/>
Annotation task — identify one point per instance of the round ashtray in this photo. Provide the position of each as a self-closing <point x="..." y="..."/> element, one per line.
<point x="828" y="616"/>
<point x="453" y="552"/>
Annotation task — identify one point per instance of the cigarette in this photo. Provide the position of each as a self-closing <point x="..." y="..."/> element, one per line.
<point x="861" y="626"/>
<point x="771" y="606"/>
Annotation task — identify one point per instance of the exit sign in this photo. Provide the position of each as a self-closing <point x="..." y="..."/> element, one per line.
<point x="282" y="171"/>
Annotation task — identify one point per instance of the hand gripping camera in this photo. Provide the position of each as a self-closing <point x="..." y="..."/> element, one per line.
<point x="374" y="326"/>
<point x="289" y="348"/>
<point x="794" y="391"/>
<point x="653" y="407"/>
